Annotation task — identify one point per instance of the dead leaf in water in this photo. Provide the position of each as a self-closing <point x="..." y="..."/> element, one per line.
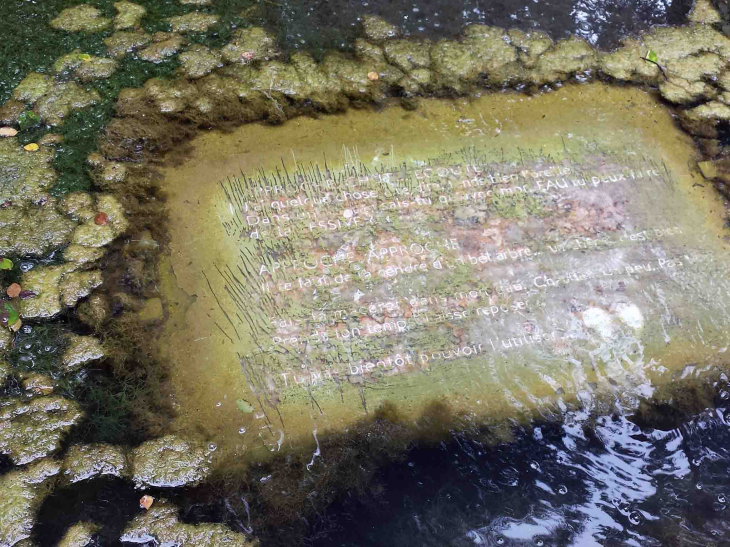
<point x="8" y="131"/>
<point x="32" y="147"/>
<point x="146" y="501"/>
<point x="14" y="290"/>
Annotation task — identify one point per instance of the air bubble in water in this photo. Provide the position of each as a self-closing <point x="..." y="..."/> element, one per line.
<point x="539" y="543"/>
<point x="721" y="498"/>
<point x="242" y="431"/>
<point x="500" y="540"/>
<point x="535" y="466"/>
<point x="698" y="486"/>
<point x="212" y="447"/>
<point x="562" y="489"/>
<point x="636" y="518"/>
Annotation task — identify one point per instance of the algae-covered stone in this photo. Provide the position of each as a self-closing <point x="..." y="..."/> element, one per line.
<point x="83" y="255"/>
<point x="563" y="60"/>
<point x="64" y="98"/>
<point x="50" y="139"/>
<point x="94" y="310"/>
<point x="4" y="371"/>
<point x="10" y="112"/>
<point x="32" y="87"/>
<point x="671" y="44"/>
<point x="85" y="67"/>
<point x="165" y="44"/>
<point x="170" y="96"/>
<point x="6" y="339"/>
<point x="77" y="285"/>
<point x="408" y="54"/>
<point x="91" y="234"/>
<point x="121" y="43"/>
<point x="530" y="45"/>
<point x="482" y="50"/>
<point x="81" y="18"/>
<point x="250" y="44"/>
<point x="21" y="494"/>
<point x="352" y="77"/>
<point x="78" y="205"/>
<point x="38" y="384"/>
<point x="376" y="28"/>
<point x="24" y="176"/>
<point x="198" y="60"/>
<point x="87" y="461"/>
<point x="703" y="120"/>
<point x="33" y="429"/>
<point x="704" y="12"/>
<point x="170" y="461"/>
<point x="128" y="15"/>
<point x="682" y="91"/>
<point x="160" y="525"/>
<point x="33" y="230"/>
<point x="80" y="534"/>
<point x="193" y="22"/>
<point x="81" y="350"/>
<point x="196" y="2"/>
<point x="44" y="282"/>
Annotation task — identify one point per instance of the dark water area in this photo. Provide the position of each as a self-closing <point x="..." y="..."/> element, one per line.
<point x="304" y="24"/>
<point x="584" y="482"/>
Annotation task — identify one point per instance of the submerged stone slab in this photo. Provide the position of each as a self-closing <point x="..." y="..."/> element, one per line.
<point x="504" y="256"/>
<point x="170" y="461"/>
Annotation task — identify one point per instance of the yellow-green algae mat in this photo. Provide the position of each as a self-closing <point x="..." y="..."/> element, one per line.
<point x="507" y="255"/>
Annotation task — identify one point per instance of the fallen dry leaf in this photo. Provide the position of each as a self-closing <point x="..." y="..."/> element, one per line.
<point x="101" y="219"/>
<point x="146" y="501"/>
<point x="372" y="76"/>
<point x="8" y="131"/>
<point x="32" y="147"/>
<point x="15" y="327"/>
<point x="14" y="290"/>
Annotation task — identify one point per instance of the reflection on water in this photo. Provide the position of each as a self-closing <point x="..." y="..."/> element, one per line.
<point x="581" y="483"/>
<point x="334" y="23"/>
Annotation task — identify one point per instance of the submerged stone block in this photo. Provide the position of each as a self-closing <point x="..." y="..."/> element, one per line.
<point x="88" y="461"/>
<point x="81" y="18"/>
<point x="33" y="429"/>
<point x="170" y="461"/>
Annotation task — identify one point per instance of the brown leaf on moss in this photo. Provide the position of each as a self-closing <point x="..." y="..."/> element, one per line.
<point x="101" y="219"/>
<point x="146" y="501"/>
<point x="14" y="290"/>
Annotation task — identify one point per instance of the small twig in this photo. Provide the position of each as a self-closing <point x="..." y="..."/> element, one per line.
<point x="664" y="72"/>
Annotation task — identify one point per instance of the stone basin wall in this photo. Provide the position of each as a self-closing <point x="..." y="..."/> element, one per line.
<point x="105" y="276"/>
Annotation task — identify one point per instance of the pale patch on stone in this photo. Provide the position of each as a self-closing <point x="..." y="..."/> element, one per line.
<point x="80" y="534"/>
<point x="630" y="314"/>
<point x="598" y="320"/>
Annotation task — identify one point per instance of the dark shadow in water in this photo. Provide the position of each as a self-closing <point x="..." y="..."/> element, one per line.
<point x="326" y="24"/>
<point x="581" y="483"/>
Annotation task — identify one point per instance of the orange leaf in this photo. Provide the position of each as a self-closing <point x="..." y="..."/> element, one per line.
<point x="146" y="501"/>
<point x="14" y="290"/>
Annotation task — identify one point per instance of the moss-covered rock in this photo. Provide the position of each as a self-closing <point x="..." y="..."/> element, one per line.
<point x="44" y="281"/>
<point x="529" y="45"/>
<point x="192" y="22"/>
<point x="81" y="350"/>
<point x="376" y="28"/>
<point x="83" y="255"/>
<point x="78" y="205"/>
<point x="164" y="45"/>
<point x="91" y="234"/>
<point x="94" y="310"/>
<point x="121" y="43"/>
<point x="81" y="18"/>
<point x="78" y="285"/>
<point x="170" y="462"/>
<point x="10" y="112"/>
<point x="63" y="99"/>
<point x="33" y="429"/>
<point x="408" y="54"/>
<point x="4" y="370"/>
<point x="38" y="384"/>
<point x="21" y="494"/>
<point x="675" y="48"/>
<point x="33" y="230"/>
<point x="250" y="44"/>
<point x="32" y="87"/>
<point x="562" y="61"/>
<point x="6" y="339"/>
<point x="704" y="120"/>
<point x="704" y="12"/>
<point x="481" y="51"/>
<point x="681" y="91"/>
<point x="352" y="77"/>
<point x="198" y="60"/>
<point x="84" y="67"/>
<point x="160" y="525"/>
<point x="80" y="534"/>
<point x="87" y="461"/>
<point x="24" y="176"/>
<point x="129" y="15"/>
